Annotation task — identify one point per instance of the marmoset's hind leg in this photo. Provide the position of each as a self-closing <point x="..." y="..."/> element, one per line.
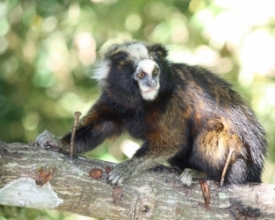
<point x="188" y="175"/>
<point x="180" y="161"/>
<point x="220" y="154"/>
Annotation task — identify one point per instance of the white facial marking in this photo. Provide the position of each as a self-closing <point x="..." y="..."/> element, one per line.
<point x="136" y="50"/>
<point x="148" y="92"/>
<point x="146" y="66"/>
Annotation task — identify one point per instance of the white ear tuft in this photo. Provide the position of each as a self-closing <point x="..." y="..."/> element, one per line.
<point x="101" y="72"/>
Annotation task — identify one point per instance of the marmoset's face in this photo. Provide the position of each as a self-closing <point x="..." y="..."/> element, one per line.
<point x="147" y="77"/>
<point x="132" y="69"/>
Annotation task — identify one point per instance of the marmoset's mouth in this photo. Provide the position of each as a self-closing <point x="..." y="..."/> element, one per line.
<point x="150" y="90"/>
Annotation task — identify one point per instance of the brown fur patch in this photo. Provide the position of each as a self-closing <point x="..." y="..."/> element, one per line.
<point x="213" y="145"/>
<point x="91" y="117"/>
<point x="96" y="115"/>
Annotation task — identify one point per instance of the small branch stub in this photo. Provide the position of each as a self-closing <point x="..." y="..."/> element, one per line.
<point x="205" y="193"/>
<point x="117" y="194"/>
<point x="96" y="173"/>
<point x="43" y="177"/>
<point x="231" y="151"/>
<point x="76" y="120"/>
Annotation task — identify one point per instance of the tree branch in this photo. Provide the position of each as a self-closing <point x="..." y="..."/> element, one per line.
<point x="37" y="178"/>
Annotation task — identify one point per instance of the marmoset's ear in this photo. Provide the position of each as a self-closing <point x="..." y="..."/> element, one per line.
<point x="158" y="49"/>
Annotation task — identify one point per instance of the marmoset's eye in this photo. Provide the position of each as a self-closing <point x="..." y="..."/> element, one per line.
<point x="155" y="71"/>
<point x="141" y="75"/>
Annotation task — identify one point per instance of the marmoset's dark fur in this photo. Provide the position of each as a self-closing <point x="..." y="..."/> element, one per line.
<point x="184" y="114"/>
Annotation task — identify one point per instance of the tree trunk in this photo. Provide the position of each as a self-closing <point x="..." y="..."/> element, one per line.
<point x="36" y="178"/>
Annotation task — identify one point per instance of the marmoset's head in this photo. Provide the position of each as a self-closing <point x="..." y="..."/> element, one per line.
<point x="132" y="69"/>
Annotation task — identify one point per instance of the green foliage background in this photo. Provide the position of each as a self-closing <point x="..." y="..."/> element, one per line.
<point x="48" y="49"/>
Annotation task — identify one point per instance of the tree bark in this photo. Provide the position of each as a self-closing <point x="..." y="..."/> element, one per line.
<point x="36" y="178"/>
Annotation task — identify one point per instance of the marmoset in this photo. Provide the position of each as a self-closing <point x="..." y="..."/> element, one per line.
<point x="185" y="115"/>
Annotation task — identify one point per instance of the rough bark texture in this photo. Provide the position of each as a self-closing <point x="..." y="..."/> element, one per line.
<point x="37" y="178"/>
